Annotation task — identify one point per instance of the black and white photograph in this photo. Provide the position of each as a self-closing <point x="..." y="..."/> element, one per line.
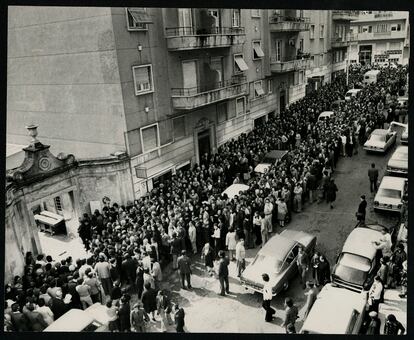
<point x="206" y="170"/>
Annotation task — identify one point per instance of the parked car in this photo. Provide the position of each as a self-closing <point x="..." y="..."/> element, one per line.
<point x="371" y="76"/>
<point x="390" y="193"/>
<point x="357" y="265"/>
<point x="336" y="311"/>
<point x="398" y="163"/>
<point x="325" y="115"/>
<point x="270" y="158"/>
<point x="404" y="133"/>
<point x="235" y="189"/>
<point x="351" y="93"/>
<point x="278" y="259"/>
<point x="380" y="140"/>
<point x="92" y="319"/>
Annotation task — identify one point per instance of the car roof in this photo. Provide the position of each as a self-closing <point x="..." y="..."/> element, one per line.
<point x="372" y="72"/>
<point x="325" y="113"/>
<point x="354" y="90"/>
<point x="234" y="189"/>
<point x="379" y="132"/>
<point x="335" y="306"/>
<point x="276" y="154"/>
<point x="401" y="148"/>
<point x="391" y="182"/>
<point x="359" y="242"/>
<point x="73" y="320"/>
<point x="278" y="246"/>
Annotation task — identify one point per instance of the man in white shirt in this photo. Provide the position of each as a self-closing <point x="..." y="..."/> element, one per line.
<point x="267" y="298"/>
<point x="240" y="257"/>
<point x="374" y="294"/>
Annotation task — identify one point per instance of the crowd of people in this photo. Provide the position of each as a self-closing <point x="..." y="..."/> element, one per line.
<point x="131" y="244"/>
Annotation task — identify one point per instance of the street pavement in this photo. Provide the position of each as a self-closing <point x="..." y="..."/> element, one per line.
<point x="241" y="311"/>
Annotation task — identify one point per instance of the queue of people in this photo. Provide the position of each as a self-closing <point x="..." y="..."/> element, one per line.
<point x="130" y="245"/>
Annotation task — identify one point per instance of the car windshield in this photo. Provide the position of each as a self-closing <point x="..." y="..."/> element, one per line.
<point x="268" y="262"/>
<point x="390" y="193"/>
<point x="352" y="268"/>
<point x="377" y="138"/>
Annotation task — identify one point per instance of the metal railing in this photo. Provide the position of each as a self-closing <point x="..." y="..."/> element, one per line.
<point x="195" y="31"/>
<point x="283" y="18"/>
<point x="207" y="87"/>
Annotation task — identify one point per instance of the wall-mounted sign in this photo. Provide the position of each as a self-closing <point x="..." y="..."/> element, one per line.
<point x="140" y="172"/>
<point x="393" y="52"/>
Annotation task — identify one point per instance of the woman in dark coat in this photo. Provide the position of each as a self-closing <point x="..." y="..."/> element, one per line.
<point x="149" y="300"/>
<point x="124" y="315"/>
<point x="140" y="279"/>
<point x="331" y="190"/>
<point x="323" y="271"/>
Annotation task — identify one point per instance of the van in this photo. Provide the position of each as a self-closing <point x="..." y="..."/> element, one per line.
<point x="325" y="115"/>
<point x="371" y="77"/>
<point x="351" y="93"/>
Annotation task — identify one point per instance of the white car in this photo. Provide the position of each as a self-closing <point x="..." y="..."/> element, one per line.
<point x="336" y="311"/>
<point x="351" y="93"/>
<point x="234" y="190"/>
<point x="404" y="133"/>
<point x="270" y="158"/>
<point x="326" y="115"/>
<point x="390" y="193"/>
<point x="398" y="162"/>
<point x="380" y="140"/>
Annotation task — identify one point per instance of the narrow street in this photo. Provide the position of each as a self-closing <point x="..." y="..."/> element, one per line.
<point x="331" y="227"/>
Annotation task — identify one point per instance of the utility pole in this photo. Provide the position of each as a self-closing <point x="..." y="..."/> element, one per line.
<point x="347" y="67"/>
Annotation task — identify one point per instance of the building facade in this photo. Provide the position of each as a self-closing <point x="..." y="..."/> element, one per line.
<point x="381" y="37"/>
<point x="163" y="85"/>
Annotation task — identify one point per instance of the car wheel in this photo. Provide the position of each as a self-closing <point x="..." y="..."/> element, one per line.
<point x="285" y="286"/>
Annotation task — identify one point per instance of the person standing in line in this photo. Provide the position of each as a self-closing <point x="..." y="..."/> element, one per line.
<point x="124" y="315"/>
<point x="156" y="273"/>
<point x="257" y="223"/>
<point x="175" y="249"/>
<point x="361" y="213"/>
<point x="192" y="235"/>
<point x="373" y="178"/>
<point x="84" y="293"/>
<point x="240" y="257"/>
<point x="268" y="210"/>
<point x="291" y="315"/>
<point x="231" y="243"/>
<point x="331" y="190"/>
<point x="223" y="273"/>
<point x="263" y="230"/>
<point x="393" y="326"/>
<point x="267" y="298"/>
<point x="208" y="256"/>
<point x="184" y="268"/>
<point x="138" y="319"/>
<point x="282" y="211"/>
<point x="311" y="296"/>
<point x="216" y="236"/>
<point x="149" y="300"/>
<point x="139" y="277"/>
<point x="302" y="262"/>
<point x="103" y="270"/>
<point x="374" y="294"/>
<point x="163" y="307"/>
<point x="95" y="286"/>
<point x="179" y="316"/>
<point x="297" y="198"/>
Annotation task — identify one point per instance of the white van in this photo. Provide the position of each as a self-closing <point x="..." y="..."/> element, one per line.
<point x="371" y="76"/>
<point x="326" y="115"/>
<point x="351" y="93"/>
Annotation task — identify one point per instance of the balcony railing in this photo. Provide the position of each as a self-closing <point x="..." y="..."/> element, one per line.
<point x="338" y="42"/>
<point x="345" y="15"/>
<point x="279" y="23"/>
<point x="186" y="38"/>
<point x="381" y="35"/>
<point x="289" y="65"/>
<point x="205" y="94"/>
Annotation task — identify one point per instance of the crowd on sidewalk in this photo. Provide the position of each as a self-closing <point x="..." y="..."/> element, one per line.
<point x="131" y="244"/>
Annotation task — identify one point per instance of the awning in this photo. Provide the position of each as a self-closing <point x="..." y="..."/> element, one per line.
<point x="258" y="89"/>
<point x="140" y="16"/>
<point x="241" y="63"/>
<point x="258" y="50"/>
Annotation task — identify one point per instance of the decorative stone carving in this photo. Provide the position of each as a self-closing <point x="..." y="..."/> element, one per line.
<point x="39" y="162"/>
<point x="203" y="123"/>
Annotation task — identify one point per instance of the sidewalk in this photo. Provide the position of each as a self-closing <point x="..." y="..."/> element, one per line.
<point x="393" y="304"/>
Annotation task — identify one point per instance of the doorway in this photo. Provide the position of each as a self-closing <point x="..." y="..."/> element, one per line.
<point x="365" y="54"/>
<point x="259" y="121"/>
<point x="204" y="145"/>
<point x="282" y="100"/>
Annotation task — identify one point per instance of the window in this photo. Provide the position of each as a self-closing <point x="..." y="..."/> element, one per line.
<point x="270" y="86"/>
<point x="149" y="138"/>
<point x="301" y="13"/>
<point x="236" y="17"/>
<point x="58" y="204"/>
<point x="292" y="255"/>
<point x="381" y="28"/>
<point x="312" y="32"/>
<point x="257" y="50"/>
<point x="256" y="13"/>
<point x="301" y="77"/>
<point x="179" y="127"/>
<point x="239" y="64"/>
<point x="398" y="27"/>
<point x="278" y="50"/>
<point x="321" y="60"/>
<point x="222" y="112"/>
<point x="301" y="45"/>
<point x="258" y="89"/>
<point x="359" y="29"/>
<point x="369" y="29"/>
<point x="137" y="19"/>
<point x="142" y="79"/>
<point x="240" y="106"/>
<point x="276" y="12"/>
<point x="322" y="32"/>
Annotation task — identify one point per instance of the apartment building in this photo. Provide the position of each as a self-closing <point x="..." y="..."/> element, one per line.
<point x="381" y="36"/>
<point x="162" y="85"/>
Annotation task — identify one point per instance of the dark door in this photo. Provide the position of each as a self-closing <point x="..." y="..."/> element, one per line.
<point x="259" y="121"/>
<point x="282" y="100"/>
<point x="365" y="54"/>
<point x="203" y="143"/>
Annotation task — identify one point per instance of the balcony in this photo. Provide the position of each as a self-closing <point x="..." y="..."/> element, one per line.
<point x="279" y="23"/>
<point x="289" y="65"/>
<point x="194" y="97"/>
<point x="345" y="15"/>
<point x="341" y="42"/>
<point x="381" y="35"/>
<point x="189" y="38"/>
